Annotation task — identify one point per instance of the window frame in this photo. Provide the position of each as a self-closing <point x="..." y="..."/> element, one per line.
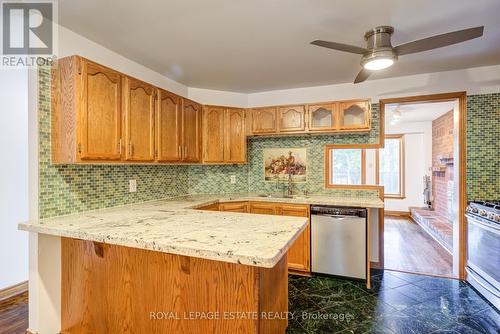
<point x="328" y="167"/>
<point x="402" y="177"/>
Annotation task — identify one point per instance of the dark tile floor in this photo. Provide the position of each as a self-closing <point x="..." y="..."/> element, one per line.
<point x="397" y="303"/>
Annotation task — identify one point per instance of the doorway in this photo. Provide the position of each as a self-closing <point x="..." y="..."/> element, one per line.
<point x="422" y="168"/>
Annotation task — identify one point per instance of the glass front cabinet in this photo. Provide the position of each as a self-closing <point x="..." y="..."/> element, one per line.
<point x="354" y="115"/>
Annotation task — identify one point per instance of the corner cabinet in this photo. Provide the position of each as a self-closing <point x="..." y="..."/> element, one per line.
<point x="224" y="137"/>
<point x="191" y="131"/>
<point x="168" y="127"/>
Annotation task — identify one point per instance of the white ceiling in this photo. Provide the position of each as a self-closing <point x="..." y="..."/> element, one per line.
<point x="418" y="112"/>
<point x="260" y="45"/>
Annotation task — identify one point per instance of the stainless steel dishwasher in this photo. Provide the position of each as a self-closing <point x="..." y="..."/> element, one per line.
<point x="338" y="241"/>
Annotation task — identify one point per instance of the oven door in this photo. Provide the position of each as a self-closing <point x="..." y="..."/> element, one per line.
<point x="483" y="251"/>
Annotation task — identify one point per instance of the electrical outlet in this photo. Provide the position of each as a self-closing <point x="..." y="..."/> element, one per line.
<point x="233" y="179"/>
<point x="132" y="186"/>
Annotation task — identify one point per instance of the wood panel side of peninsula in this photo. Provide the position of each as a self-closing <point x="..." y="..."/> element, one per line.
<point x="115" y="289"/>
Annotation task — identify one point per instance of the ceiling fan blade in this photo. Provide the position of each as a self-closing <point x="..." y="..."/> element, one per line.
<point x="340" y="46"/>
<point x="362" y="75"/>
<point x="439" y="41"/>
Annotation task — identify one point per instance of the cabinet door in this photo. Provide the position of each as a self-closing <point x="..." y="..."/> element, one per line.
<point x="234" y="207"/>
<point x="292" y="118"/>
<point x="168" y="127"/>
<point x="139" y="106"/>
<point x="100" y="113"/>
<point x="322" y="117"/>
<point x="354" y="115"/>
<point x="213" y="134"/>
<point x="264" y="120"/>
<point x="299" y="254"/>
<point x="191" y="131"/>
<point x="236" y="141"/>
<point x="262" y="208"/>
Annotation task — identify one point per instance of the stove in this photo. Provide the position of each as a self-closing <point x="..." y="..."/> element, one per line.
<point x="489" y="210"/>
<point x="483" y="248"/>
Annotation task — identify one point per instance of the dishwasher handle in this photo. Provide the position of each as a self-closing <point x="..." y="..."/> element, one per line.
<point x="339" y="217"/>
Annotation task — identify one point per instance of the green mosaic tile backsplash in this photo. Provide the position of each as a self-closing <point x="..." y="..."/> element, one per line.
<point x="483" y="147"/>
<point x="66" y="189"/>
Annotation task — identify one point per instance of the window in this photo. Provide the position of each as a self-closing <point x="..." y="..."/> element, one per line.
<point x="390" y="165"/>
<point x="345" y="166"/>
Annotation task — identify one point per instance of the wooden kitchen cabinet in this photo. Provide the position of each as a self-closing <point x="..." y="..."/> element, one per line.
<point x="234" y="207"/>
<point x="213" y="134"/>
<point x="168" y="127"/>
<point x="299" y="255"/>
<point x="224" y="137"/>
<point x="292" y="118"/>
<point x="262" y="208"/>
<point x="139" y="120"/>
<point x="86" y="112"/>
<point x="191" y="131"/>
<point x="354" y="115"/>
<point x="264" y="120"/>
<point x="235" y="150"/>
<point x="323" y="117"/>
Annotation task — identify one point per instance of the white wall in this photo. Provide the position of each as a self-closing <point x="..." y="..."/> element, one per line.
<point x="418" y="160"/>
<point x="70" y="43"/>
<point x="13" y="176"/>
<point x="479" y="80"/>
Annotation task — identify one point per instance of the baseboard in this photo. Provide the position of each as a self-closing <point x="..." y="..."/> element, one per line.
<point x="375" y="265"/>
<point x="29" y="331"/>
<point x="14" y="290"/>
<point x="401" y="214"/>
<point x="299" y="273"/>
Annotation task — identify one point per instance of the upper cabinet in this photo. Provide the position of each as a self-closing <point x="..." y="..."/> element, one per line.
<point x="224" y="138"/>
<point x="168" y="127"/>
<point x="354" y="115"/>
<point x="323" y="117"/>
<point x="264" y="120"/>
<point x="101" y="116"/>
<point x="191" y="131"/>
<point x="327" y="117"/>
<point x="86" y="112"/>
<point x="292" y="118"/>
<point x="236" y="140"/>
<point x="139" y="120"/>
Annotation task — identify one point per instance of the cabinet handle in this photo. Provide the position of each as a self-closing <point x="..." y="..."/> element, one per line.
<point x="120" y="146"/>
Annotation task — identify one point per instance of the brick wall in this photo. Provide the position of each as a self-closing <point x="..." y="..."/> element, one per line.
<point x="442" y="146"/>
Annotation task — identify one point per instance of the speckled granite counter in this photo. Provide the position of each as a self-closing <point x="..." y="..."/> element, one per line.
<point x="175" y="226"/>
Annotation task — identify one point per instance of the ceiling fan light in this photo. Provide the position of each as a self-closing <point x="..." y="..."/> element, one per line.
<point x="376" y="64"/>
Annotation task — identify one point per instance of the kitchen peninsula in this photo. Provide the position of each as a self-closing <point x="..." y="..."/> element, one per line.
<point x="168" y="266"/>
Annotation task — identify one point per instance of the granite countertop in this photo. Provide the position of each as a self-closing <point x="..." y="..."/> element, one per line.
<point x="175" y="226"/>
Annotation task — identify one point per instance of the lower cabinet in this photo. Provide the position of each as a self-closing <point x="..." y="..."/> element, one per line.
<point x="299" y="254"/>
<point x="234" y="207"/>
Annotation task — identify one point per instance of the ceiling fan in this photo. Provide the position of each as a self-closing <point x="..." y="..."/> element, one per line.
<point x="379" y="52"/>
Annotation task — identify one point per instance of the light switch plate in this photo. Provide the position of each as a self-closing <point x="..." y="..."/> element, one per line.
<point x="132" y="186"/>
<point x="233" y="179"/>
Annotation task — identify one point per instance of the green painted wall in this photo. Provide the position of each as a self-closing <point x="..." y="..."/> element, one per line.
<point x="483" y="147"/>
